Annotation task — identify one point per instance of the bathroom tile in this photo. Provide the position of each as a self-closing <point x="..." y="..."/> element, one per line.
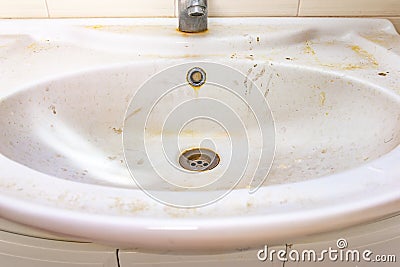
<point x="110" y="8"/>
<point x="237" y="259"/>
<point x="226" y="8"/>
<point x="349" y="8"/>
<point x="23" y="9"/>
<point x="396" y="23"/>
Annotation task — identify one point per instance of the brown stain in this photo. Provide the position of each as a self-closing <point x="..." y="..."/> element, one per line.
<point x="117" y="130"/>
<point x="53" y="109"/>
<point x="259" y="75"/>
<point x="251" y="57"/>
<point x="192" y="34"/>
<point x="136" y="111"/>
<point x="134" y="206"/>
<point x="196" y="89"/>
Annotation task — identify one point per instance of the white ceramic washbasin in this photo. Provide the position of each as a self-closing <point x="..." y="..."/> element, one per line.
<point x="332" y="87"/>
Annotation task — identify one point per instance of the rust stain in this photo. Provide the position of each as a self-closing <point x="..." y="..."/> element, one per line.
<point x="192" y="34"/>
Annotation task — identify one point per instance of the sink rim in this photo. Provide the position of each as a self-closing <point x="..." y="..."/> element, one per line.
<point x="261" y="223"/>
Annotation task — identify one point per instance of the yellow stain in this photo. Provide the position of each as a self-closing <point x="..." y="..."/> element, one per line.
<point x="95" y="27"/>
<point x="363" y="53"/>
<point x="32" y="46"/>
<point x="322" y="98"/>
<point x="308" y="49"/>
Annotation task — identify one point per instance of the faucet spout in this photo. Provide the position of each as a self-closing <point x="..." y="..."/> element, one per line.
<point x="193" y="15"/>
<point x="197" y="8"/>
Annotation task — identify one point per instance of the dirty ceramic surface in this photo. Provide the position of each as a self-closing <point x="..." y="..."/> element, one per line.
<point x="332" y="85"/>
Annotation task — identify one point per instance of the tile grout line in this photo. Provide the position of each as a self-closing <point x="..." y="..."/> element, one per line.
<point x="47" y="9"/>
<point x="175" y="6"/>
<point x="298" y="8"/>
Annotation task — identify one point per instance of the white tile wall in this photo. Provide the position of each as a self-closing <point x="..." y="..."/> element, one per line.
<point x="220" y="8"/>
<point x="396" y="22"/>
<point x="23" y="9"/>
<point x="349" y="8"/>
<point x="110" y="8"/>
<point x="253" y="7"/>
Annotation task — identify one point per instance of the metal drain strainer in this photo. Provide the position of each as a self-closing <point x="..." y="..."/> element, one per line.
<point x="199" y="159"/>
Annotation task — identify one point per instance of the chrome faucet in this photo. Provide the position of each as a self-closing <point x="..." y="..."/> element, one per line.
<point x="192" y="15"/>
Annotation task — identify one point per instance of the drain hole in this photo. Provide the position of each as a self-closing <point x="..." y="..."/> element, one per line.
<point x="196" y="77"/>
<point x="199" y="159"/>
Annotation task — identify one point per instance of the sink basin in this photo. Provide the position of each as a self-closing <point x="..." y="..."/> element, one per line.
<point x="329" y="90"/>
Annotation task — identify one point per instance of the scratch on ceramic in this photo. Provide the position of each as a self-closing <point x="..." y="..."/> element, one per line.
<point x="136" y="111"/>
<point x="267" y="89"/>
<point x="259" y="75"/>
<point x="246" y="81"/>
